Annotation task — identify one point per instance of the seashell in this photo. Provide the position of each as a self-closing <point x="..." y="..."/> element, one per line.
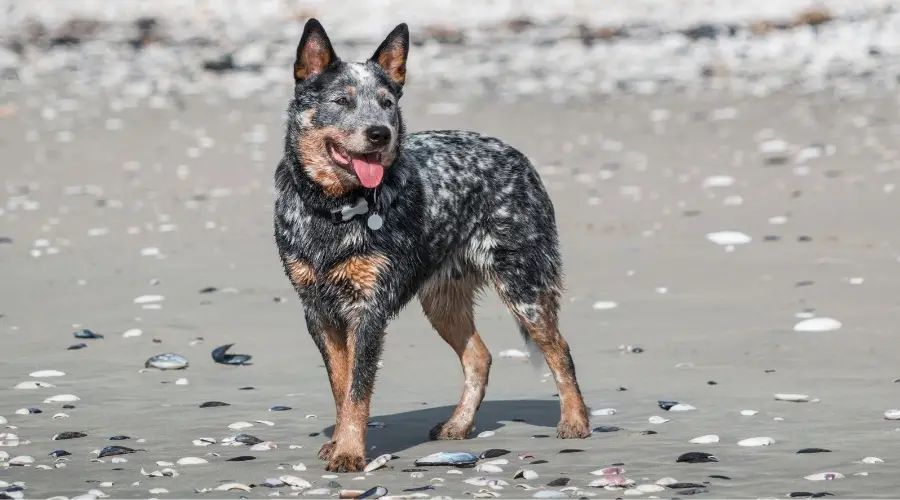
<point x="58" y="416"/>
<point x="242" y="458"/>
<point x="119" y="460"/>
<point x="264" y="446"/>
<point x="163" y="463"/>
<point x="295" y="482"/>
<point x="62" y="398"/>
<point x="240" y="425"/>
<point x="3" y="421"/>
<point x="204" y="441"/>
<point x="606" y="428"/>
<point x="604" y="305"/>
<point x="375" y="492"/>
<point x="824" y="476"/>
<point x="21" y="461"/>
<point x="498" y="461"/>
<point x="611" y="480"/>
<point x="657" y="420"/>
<point x="3" y="457"/>
<point x="892" y="415"/>
<point x="696" y="457"/>
<point x="378" y="462"/>
<point x="220" y="355"/>
<point x="133" y="332"/>
<point x="707" y="439"/>
<point x="493" y="453"/>
<point x="75" y="347"/>
<point x="29" y="411"/>
<point x="794" y="398"/>
<point x="458" y="459"/>
<point x="181" y="381"/>
<point x="33" y="384"/>
<point x="489" y="468"/>
<point x="813" y="450"/>
<point x="59" y="453"/>
<point x="526" y="474"/>
<point x="550" y="494"/>
<point x="512" y="353"/>
<point x="675" y="406"/>
<point x="609" y="471"/>
<point x="319" y="492"/>
<point x="167" y="361"/>
<point x="264" y="422"/>
<point x="603" y="412"/>
<point x="667" y="481"/>
<point x="560" y="481"/>
<point x="729" y="238"/>
<point x="158" y="491"/>
<point x="148" y="299"/>
<point x="43" y="467"/>
<point x="485" y="434"/>
<point x="87" y="334"/>
<point x="232" y="487"/>
<point x="68" y="435"/>
<point x="818" y="325"/>
<point x="9" y="439"/>
<point x="650" y="488"/>
<point x="192" y="461"/>
<point x="633" y="493"/>
<point x="718" y="181"/>
<point x="213" y="404"/>
<point x="286" y="408"/>
<point x="748" y="413"/>
<point x="46" y="373"/>
<point x="872" y="460"/>
<point x="110" y="451"/>
<point x="273" y="482"/>
<point x="756" y="441"/>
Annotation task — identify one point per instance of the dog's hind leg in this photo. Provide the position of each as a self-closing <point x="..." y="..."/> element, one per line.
<point x="448" y="303"/>
<point x="332" y="345"/>
<point x="529" y="282"/>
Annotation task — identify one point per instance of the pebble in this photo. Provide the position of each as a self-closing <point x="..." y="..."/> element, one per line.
<point x="818" y="325"/>
<point x="167" y="361"/>
<point x="756" y="441"/>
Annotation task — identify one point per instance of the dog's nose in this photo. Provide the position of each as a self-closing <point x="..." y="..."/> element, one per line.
<point x="378" y="135"/>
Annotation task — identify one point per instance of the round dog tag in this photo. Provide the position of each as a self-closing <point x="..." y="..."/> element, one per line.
<point x="375" y="222"/>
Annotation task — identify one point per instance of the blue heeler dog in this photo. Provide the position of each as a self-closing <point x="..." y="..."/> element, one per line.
<point x="368" y="216"/>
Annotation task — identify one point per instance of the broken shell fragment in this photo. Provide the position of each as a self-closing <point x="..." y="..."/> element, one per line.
<point x="824" y="476"/>
<point x="794" y="398"/>
<point x="378" y="462"/>
<point x="192" y="461"/>
<point x="527" y="474"/>
<point x="167" y="361"/>
<point x="707" y="439"/>
<point x="458" y="459"/>
<point x="756" y="441"/>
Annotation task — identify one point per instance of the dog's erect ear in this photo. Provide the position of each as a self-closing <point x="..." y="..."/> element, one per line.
<point x="391" y="54"/>
<point x="314" y="53"/>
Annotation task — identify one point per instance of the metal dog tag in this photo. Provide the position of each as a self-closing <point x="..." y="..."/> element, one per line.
<point x="375" y="222"/>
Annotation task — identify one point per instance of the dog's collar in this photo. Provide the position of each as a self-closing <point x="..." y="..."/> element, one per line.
<point x="362" y="206"/>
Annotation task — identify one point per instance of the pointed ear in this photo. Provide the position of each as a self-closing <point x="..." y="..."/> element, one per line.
<point x="391" y="54"/>
<point x="314" y="53"/>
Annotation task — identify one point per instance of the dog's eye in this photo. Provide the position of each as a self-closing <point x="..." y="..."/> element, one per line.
<point x="387" y="104"/>
<point x="343" y="101"/>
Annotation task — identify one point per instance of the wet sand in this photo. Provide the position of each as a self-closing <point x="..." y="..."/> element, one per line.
<point x="633" y="214"/>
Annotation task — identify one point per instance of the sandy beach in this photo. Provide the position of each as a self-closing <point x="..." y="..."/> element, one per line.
<point x="701" y="230"/>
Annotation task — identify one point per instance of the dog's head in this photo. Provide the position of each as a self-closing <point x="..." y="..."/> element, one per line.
<point x="344" y="123"/>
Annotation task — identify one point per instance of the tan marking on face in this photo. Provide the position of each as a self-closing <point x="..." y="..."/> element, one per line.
<point x="351" y="90"/>
<point x="317" y="162"/>
<point x="306" y="117"/>
<point x="300" y="273"/>
<point x="361" y="272"/>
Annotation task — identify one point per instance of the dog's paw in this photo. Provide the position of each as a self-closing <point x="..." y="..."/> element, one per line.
<point x="447" y="431"/>
<point x="346" y="463"/>
<point x="574" y="428"/>
<point x="326" y="450"/>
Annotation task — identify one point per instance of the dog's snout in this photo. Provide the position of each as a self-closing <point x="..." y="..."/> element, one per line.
<point x="378" y="135"/>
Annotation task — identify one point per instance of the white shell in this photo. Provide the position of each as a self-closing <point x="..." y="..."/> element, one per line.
<point x="60" y="415"/>
<point x="513" y="353"/>
<point x="603" y="412"/>
<point x="378" y="462"/>
<point x="204" y="441"/>
<point x="33" y="384"/>
<point x="192" y="461"/>
<point x="796" y="398"/>
<point x="21" y="460"/>
<point x="650" y="488"/>
<point x="148" y="299"/>
<point x="729" y="238"/>
<point x="892" y="415"/>
<point x="485" y="434"/>
<point x="825" y="476"/>
<point x="604" y="305"/>
<point x="872" y="460"/>
<point x="657" y="420"/>
<point x="818" y="325"/>
<point x="667" y="481"/>
<point x="3" y="421"/>
<point x="8" y="439"/>
<point x="264" y="446"/>
<point x="756" y="441"/>
<point x="235" y="487"/>
<point x="528" y="474"/>
<point x="46" y="373"/>
<point x="298" y="467"/>
<point x="181" y="381"/>
<point x="489" y="469"/>
<point x="748" y="413"/>
<point x="682" y="407"/>
<point x="240" y="425"/>
<point x="295" y="481"/>
<point x="158" y="491"/>
<point x="718" y="181"/>
<point x="62" y="398"/>
<point x="134" y="332"/>
<point x="707" y="439"/>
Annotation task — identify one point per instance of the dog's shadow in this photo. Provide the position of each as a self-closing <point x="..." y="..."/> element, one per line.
<point x="405" y="430"/>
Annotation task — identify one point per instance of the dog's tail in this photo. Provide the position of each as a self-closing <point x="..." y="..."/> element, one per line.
<point x="534" y="352"/>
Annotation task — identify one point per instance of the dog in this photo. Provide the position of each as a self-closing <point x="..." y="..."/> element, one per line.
<point x="368" y="217"/>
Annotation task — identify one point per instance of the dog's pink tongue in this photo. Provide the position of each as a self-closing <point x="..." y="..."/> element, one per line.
<point x="368" y="169"/>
